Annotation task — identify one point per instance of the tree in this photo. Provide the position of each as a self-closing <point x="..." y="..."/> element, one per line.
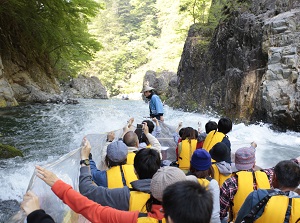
<point x="49" y="31"/>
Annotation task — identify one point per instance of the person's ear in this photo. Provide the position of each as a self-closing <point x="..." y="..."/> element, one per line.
<point x="274" y="181"/>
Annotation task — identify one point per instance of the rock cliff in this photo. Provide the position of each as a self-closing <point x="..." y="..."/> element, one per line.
<point x="23" y="82"/>
<point x="250" y="70"/>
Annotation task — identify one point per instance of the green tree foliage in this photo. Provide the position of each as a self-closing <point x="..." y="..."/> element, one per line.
<point x="52" y="31"/>
<point x="137" y="35"/>
<point x="128" y="30"/>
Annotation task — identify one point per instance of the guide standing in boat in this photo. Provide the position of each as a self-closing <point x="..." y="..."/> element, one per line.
<point x="155" y="104"/>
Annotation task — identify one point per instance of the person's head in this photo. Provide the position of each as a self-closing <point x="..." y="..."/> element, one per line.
<point x="146" y="163"/>
<point x="147" y="91"/>
<point x="181" y="131"/>
<point x="210" y="126"/>
<point x="201" y="164"/>
<point x="150" y="125"/>
<point x="187" y="201"/>
<point x="164" y="177"/>
<point x="131" y="139"/>
<point x="189" y="133"/>
<point x="244" y="158"/>
<point x="286" y="175"/>
<point x="116" y="153"/>
<point x="220" y="152"/>
<point x="224" y="125"/>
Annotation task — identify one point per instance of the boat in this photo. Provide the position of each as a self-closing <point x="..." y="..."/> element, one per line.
<point x="67" y="168"/>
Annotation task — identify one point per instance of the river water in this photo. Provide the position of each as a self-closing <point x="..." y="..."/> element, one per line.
<point x="46" y="132"/>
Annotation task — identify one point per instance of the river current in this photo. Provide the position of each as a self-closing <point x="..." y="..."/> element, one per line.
<point x="46" y="132"/>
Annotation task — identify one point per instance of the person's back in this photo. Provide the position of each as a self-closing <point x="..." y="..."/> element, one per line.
<point x="202" y="169"/>
<point x="279" y="205"/>
<point x="215" y="136"/>
<point x="146" y="163"/>
<point x="119" y="173"/>
<point x="186" y="148"/>
<point x="209" y="126"/>
<point x="222" y="167"/>
<point x="236" y="188"/>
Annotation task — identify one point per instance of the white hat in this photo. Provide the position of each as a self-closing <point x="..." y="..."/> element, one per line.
<point x="147" y="88"/>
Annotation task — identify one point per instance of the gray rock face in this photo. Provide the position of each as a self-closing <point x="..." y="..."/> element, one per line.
<point x="251" y="70"/>
<point x="165" y="84"/>
<point x="20" y="82"/>
<point x="85" y="87"/>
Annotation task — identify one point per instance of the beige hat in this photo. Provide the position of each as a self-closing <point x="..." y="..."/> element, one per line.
<point x="147" y="88"/>
<point x="164" y="177"/>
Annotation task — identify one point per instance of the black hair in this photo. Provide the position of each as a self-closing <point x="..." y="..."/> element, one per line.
<point x="146" y="163"/>
<point x="210" y="126"/>
<point x="150" y="125"/>
<point x="187" y="201"/>
<point x="224" y="125"/>
<point x="287" y="174"/>
<point x="109" y="163"/>
<point x="150" y="202"/>
<point x="196" y="134"/>
<point x="181" y="131"/>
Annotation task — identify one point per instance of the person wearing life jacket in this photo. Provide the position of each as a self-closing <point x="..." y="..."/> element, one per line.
<point x="131" y="139"/>
<point x="118" y="173"/>
<point x="180" y="198"/>
<point x="186" y="148"/>
<point x="242" y="182"/>
<point x="209" y="126"/>
<point x="146" y="163"/>
<point x="202" y="169"/>
<point x="279" y="205"/>
<point x="222" y="166"/>
<point x="220" y="135"/>
<point x="155" y="105"/>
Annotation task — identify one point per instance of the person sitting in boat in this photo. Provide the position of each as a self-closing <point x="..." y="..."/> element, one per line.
<point x="132" y="141"/>
<point x="243" y="181"/>
<point x="154" y="130"/>
<point x="155" y="105"/>
<point x="186" y="148"/>
<point x="221" y="155"/>
<point x="202" y="169"/>
<point x="209" y="126"/>
<point x="146" y="163"/>
<point x="281" y="204"/>
<point x="118" y="172"/>
<point x="213" y="137"/>
<point x="180" y="196"/>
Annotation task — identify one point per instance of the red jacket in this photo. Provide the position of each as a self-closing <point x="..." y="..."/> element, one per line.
<point x="95" y="212"/>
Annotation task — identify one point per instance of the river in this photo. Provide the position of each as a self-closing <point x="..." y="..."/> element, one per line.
<point x="46" y="132"/>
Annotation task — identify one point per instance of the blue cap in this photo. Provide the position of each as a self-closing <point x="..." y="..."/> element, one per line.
<point x="117" y="151"/>
<point x="201" y="160"/>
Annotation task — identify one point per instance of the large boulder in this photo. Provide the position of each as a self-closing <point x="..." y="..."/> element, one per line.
<point x="250" y="70"/>
<point x="162" y="82"/>
<point x="85" y="87"/>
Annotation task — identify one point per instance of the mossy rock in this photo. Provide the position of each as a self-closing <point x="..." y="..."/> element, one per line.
<point x="7" y="151"/>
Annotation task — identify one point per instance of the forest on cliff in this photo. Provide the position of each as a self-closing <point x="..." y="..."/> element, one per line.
<point x="115" y="40"/>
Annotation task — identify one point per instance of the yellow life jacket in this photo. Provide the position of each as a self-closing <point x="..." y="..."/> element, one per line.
<point x="245" y="187"/>
<point x="203" y="182"/>
<point x="137" y="201"/>
<point x="212" y="138"/>
<point x="220" y="178"/>
<point x="130" y="158"/>
<point x="150" y="220"/>
<point x="187" y="150"/>
<point x="114" y="176"/>
<point x="275" y="210"/>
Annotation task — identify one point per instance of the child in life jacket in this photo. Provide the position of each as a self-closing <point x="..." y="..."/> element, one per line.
<point x="202" y="169"/>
